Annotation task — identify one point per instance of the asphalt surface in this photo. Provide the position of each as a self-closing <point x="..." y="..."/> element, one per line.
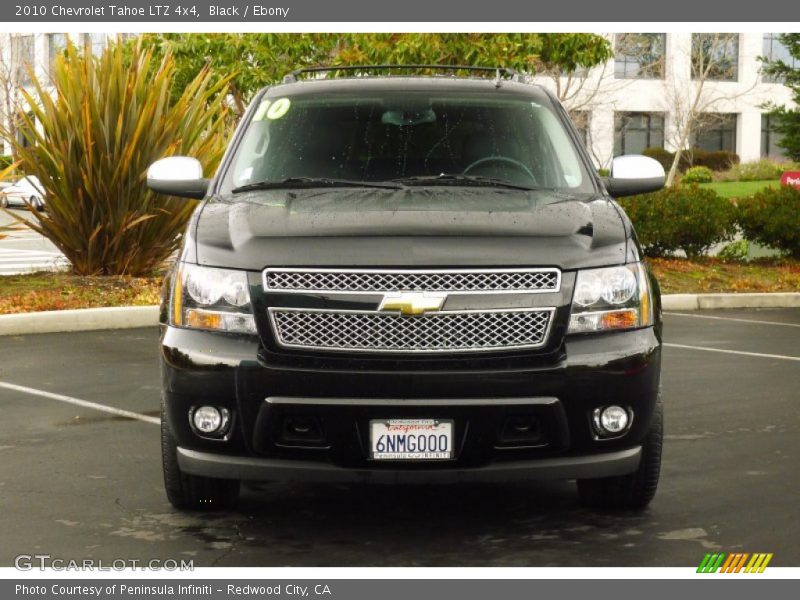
<point x="23" y="250"/>
<point x="76" y="483"/>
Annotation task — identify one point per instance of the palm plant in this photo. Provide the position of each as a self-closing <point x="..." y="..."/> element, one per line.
<point x="96" y="126"/>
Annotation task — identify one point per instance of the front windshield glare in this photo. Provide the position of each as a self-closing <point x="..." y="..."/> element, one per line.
<point x="416" y="138"/>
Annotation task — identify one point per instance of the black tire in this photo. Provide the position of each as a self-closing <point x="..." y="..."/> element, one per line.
<point x="192" y="492"/>
<point x="634" y="491"/>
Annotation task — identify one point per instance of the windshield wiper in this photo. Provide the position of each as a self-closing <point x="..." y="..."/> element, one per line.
<point x="311" y="182"/>
<point x="455" y="179"/>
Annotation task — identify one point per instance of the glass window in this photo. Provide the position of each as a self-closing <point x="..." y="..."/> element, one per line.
<point x="715" y="56"/>
<point x="25" y="137"/>
<point x="57" y="42"/>
<point x="718" y="133"/>
<point x="634" y="132"/>
<point x="397" y="135"/>
<point x="639" y="55"/>
<point x="770" y="139"/>
<point x="774" y="50"/>
<point x="23" y="58"/>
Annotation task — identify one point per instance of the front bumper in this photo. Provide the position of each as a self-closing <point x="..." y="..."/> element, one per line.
<point x="248" y="468"/>
<point x="559" y="390"/>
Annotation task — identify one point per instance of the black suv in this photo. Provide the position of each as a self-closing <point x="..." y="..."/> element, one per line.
<point x="409" y="279"/>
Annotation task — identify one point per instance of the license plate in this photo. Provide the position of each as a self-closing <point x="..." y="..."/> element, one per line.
<point x="411" y="439"/>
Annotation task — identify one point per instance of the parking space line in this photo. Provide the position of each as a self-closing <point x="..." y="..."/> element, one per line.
<point x="739" y="352"/>
<point x="738" y="320"/>
<point x="78" y="402"/>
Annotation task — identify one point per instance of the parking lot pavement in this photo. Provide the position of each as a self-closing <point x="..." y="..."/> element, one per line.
<point x="76" y="482"/>
<point x="23" y="250"/>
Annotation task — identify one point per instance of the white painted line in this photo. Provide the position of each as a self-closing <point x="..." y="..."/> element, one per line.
<point x="757" y="322"/>
<point x="78" y="402"/>
<point x="739" y="352"/>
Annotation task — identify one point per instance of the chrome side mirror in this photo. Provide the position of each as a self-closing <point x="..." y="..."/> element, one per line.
<point x="177" y="176"/>
<point x="634" y="174"/>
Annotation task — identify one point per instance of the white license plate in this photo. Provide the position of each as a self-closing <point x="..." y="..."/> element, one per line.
<point x="411" y="439"/>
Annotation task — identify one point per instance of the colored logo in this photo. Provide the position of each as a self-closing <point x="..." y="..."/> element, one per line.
<point x="412" y="303"/>
<point x="737" y="562"/>
<point x="791" y="178"/>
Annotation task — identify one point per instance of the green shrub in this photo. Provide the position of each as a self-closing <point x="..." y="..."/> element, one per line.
<point x="100" y="122"/>
<point x="687" y="218"/>
<point x="719" y="160"/>
<point x="772" y="218"/>
<point x="603" y="172"/>
<point x="5" y="161"/>
<point x="760" y="170"/>
<point x="665" y="157"/>
<point x="737" y="251"/>
<point x="698" y="175"/>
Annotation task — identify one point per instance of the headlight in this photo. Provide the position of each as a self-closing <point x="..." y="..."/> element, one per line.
<point x="611" y="298"/>
<point x="209" y="298"/>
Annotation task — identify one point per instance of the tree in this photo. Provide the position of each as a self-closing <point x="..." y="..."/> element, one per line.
<point x="256" y="60"/>
<point x="788" y="119"/>
<point x="713" y="58"/>
<point x="101" y="122"/>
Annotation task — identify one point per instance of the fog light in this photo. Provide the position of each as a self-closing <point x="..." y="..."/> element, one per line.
<point x="210" y="419"/>
<point x="611" y="420"/>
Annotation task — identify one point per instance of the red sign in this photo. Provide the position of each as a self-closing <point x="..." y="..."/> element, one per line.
<point x="791" y="178"/>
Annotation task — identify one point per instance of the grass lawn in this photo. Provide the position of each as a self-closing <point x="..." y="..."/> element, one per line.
<point x="59" y="291"/>
<point x="708" y="275"/>
<point x="739" y="189"/>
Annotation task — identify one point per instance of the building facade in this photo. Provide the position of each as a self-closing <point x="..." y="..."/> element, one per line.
<point x="635" y="101"/>
<point x="27" y="55"/>
<point x="640" y="97"/>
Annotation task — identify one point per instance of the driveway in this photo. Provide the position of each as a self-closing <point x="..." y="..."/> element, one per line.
<point x="82" y="480"/>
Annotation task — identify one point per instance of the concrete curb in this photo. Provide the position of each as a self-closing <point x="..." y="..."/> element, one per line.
<point x="745" y="300"/>
<point x="128" y="317"/>
<point x="85" y="319"/>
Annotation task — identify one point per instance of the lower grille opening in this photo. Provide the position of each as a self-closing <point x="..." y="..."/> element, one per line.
<point x="521" y="431"/>
<point x="300" y="431"/>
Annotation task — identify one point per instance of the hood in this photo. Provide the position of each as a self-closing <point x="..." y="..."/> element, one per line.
<point x="434" y="226"/>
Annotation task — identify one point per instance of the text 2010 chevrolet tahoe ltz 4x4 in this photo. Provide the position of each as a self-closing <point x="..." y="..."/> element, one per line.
<point x="400" y="279"/>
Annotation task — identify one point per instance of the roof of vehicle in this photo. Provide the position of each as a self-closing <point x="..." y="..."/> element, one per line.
<point x="405" y="83"/>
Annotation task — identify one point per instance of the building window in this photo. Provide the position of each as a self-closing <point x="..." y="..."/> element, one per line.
<point x="770" y="139"/>
<point x="715" y="56"/>
<point x="634" y="132"/>
<point x="23" y="58"/>
<point x="581" y="119"/>
<point x="718" y="133"/>
<point x="57" y="43"/>
<point x="25" y="136"/>
<point x="774" y="51"/>
<point x="639" y="55"/>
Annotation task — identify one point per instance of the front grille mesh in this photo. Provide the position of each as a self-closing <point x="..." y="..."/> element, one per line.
<point x="531" y="280"/>
<point x="357" y="331"/>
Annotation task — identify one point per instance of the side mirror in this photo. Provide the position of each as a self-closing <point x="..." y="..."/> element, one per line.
<point x="177" y="176"/>
<point x="634" y="174"/>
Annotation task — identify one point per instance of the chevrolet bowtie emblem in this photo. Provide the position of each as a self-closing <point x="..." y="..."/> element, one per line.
<point x="412" y="303"/>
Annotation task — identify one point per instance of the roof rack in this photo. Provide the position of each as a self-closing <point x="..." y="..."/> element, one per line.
<point x="499" y="72"/>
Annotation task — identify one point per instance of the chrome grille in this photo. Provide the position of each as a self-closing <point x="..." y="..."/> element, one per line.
<point x="366" y="281"/>
<point x="455" y="331"/>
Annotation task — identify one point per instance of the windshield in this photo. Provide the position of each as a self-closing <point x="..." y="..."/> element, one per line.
<point x="411" y="138"/>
